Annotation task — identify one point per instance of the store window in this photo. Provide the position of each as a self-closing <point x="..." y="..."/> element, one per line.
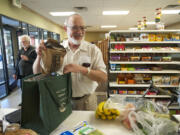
<point x="10" y="22"/>
<point x="45" y="35"/>
<point x="25" y="28"/>
<point x="40" y="34"/>
<point x="34" y="35"/>
<point x="58" y="37"/>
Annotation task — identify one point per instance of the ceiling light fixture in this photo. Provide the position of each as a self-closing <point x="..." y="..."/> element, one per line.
<point x="61" y="13"/>
<point x="108" y="26"/>
<point x="170" y="11"/>
<point x="115" y="12"/>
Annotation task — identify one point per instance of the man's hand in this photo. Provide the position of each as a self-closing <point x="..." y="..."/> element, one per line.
<point x="15" y="77"/>
<point x="24" y="57"/>
<point x="74" y="68"/>
<point x="40" y="48"/>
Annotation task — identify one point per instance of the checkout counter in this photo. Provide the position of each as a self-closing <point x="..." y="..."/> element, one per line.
<point x="107" y="127"/>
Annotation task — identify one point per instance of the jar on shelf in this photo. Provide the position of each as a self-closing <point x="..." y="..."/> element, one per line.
<point x="120" y="79"/>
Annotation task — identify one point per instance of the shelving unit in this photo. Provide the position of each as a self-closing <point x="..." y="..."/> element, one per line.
<point x="132" y="43"/>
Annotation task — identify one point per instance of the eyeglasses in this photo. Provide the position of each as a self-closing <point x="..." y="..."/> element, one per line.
<point x="76" y="28"/>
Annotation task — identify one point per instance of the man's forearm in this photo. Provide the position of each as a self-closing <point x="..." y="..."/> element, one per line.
<point x="37" y="66"/>
<point x="95" y="75"/>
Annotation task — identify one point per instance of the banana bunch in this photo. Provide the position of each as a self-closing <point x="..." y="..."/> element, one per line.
<point x="105" y="113"/>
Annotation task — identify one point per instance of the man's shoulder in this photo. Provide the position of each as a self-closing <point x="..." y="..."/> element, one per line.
<point x="89" y="44"/>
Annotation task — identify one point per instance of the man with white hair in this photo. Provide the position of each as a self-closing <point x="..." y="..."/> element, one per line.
<point x="85" y="62"/>
<point x="25" y="59"/>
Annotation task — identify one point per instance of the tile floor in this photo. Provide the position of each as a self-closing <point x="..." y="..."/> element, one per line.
<point x="11" y="101"/>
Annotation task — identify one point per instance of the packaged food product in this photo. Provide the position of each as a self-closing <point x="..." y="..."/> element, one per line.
<point x="134" y="58"/>
<point x="175" y="37"/>
<point x="160" y="26"/>
<point x="52" y="57"/>
<point x="167" y="37"/>
<point x="132" y="92"/>
<point x="159" y="37"/>
<point x="124" y="58"/>
<point x="174" y="80"/>
<point x="130" y="81"/>
<point x="166" y="80"/>
<point x="118" y="67"/>
<point x="146" y="58"/>
<point x="168" y="58"/>
<point x="121" y="79"/>
<point x="156" y="58"/>
<point x="156" y="68"/>
<point x="138" y="78"/>
<point x="152" y="37"/>
<point x="113" y="67"/>
<point x="157" y="80"/>
<point x="143" y="37"/>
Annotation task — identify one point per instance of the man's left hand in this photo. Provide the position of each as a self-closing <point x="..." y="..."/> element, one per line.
<point x="24" y="57"/>
<point x="72" y="68"/>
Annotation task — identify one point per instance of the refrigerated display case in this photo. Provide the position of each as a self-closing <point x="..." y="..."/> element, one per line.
<point x="3" y="88"/>
<point x="9" y="54"/>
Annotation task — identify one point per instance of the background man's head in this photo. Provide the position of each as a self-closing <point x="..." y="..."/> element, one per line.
<point x="25" y="41"/>
<point x="75" y="29"/>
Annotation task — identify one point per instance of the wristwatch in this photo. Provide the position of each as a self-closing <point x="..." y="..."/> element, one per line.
<point x="89" y="70"/>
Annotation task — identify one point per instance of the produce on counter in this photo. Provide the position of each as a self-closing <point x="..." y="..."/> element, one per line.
<point x="104" y="112"/>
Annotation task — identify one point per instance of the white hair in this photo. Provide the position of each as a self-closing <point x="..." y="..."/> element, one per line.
<point x="26" y="37"/>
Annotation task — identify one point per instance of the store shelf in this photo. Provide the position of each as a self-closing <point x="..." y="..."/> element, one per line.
<point x="114" y="84"/>
<point x="156" y="49"/>
<point x="145" y="51"/>
<point x="145" y="31"/>
<point x="137" y="96"/>
<point x="145" y="62"/>
<point x="174" y="107"/>
<point x="145" y="42"/>
<point x="149" y="72"/>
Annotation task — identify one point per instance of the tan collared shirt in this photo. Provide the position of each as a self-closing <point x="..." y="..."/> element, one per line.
<point x="87" y="52"/>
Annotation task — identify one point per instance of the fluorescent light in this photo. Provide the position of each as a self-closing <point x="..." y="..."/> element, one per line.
<point x="170" y="11"/>
<point x="150" y="23"/>
<point x="61" y="13"/>
<point x="115" y="12"/>
<point x="108" y="26"/>
<point x="135" y="28"/>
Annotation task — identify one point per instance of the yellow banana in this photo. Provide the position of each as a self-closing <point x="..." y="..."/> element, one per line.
<point x="97" y="116"/>
<point x="107" y="111"/>
<point x="114" y="117"/>
<point x="109" y="117"/>
<point x="100" y="107"/>
<point x="103" y="117"/>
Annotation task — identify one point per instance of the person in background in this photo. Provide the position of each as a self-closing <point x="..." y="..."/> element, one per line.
<point x="85" y="62"/>
<point x="25" y="59"/>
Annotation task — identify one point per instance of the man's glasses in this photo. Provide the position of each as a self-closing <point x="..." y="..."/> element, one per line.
<point x="76" y="28"/>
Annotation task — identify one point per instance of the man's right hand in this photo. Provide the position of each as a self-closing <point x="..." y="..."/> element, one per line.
<point x="15" y="77"/>
<point x="40" y="48"/>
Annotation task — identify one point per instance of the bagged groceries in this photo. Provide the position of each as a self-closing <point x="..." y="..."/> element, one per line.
<point x="46" y="102"/>
<point x="143" y="116"/>
<point x="52" y="57"/>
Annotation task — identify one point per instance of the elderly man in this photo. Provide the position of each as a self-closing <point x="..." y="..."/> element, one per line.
<point x="25" y="59"/>
<point x="83" y="60"/>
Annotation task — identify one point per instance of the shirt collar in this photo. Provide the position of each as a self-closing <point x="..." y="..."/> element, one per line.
<point x="82" y="46"/>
